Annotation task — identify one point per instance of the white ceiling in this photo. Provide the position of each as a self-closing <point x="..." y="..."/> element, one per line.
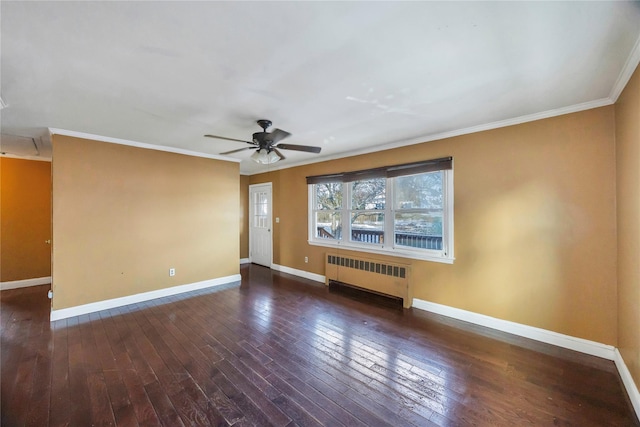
<point x="350" y="77"/>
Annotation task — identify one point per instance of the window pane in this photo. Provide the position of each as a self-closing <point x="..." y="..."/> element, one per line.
<point x="260" y="210"/>
<point x="260" y="221"/>
<point x="367" y="227"/>
<point x="328" y="225"/>
<point x="368" y="195"/>
<point x="329" y="196"/>
<point x="419" y="191"/>
<point x="419" y="230"/>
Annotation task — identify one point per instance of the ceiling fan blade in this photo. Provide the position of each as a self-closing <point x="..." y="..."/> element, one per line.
<point x="282" y="157"/>
<point x="278" y="135"/>
<point x="230" y="139"/>
<point x="239" y="149"/>
<point x="306" y="148"/>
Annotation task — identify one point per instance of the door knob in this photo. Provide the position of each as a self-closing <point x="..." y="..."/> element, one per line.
<point x="48" y="242"/>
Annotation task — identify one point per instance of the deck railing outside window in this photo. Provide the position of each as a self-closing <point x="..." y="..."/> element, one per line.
<point x="402" y="239"/>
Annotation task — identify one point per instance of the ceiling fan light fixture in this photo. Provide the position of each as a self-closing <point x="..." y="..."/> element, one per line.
<point x="264" y="157"/>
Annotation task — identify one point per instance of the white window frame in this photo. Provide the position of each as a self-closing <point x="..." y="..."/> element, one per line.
<point x="446" y="255"/>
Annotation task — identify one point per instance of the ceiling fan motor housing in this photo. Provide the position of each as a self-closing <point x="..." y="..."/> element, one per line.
<point x="261" y="138"/>
<point x="264" y="124"/>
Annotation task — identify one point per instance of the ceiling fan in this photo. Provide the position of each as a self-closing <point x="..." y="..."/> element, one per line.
<point x="267" y="144"/>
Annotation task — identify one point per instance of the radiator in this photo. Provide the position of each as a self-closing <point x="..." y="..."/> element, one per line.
<point x="371" y="274"/>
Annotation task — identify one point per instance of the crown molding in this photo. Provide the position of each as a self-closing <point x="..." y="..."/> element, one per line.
<point x="627" y="71"/>
<point x="450" y="134"/>
<point x="75" y="134"/>
<point x="493" y="125"/>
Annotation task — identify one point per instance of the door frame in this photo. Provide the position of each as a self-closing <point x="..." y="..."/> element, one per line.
<point x="251" y="210"/>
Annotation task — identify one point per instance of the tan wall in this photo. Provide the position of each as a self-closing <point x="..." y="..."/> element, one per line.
<point x="25" y="224"/>
<point x="628" y="192"/>
<point x="244" y="216"/>
<point x="534" y="223"/>
<point x="122" y="216"/>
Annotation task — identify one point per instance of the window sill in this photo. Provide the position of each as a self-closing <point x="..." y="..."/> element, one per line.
<point x="382" y="251"/>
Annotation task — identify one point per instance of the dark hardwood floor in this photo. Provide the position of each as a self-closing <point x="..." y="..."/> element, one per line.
<point x="279" y="350"/>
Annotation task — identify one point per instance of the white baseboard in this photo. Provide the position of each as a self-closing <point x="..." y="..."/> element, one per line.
<point x="627" y="380"/>
<point x="15" y="284"/>
<point x="566" y="341"/>
<point x="244" y="261"/>
<point x="299" y="273"/>
<point x="136" y="298"/>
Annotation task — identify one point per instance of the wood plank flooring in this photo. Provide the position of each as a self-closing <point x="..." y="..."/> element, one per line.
<point x="277" y="350"/>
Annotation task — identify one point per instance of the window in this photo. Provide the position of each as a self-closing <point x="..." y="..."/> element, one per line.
<point x="366" y="215"/>
<point x="418" y="210"/>
<point x="403" y="210"/>
<point x="328" y="211"/>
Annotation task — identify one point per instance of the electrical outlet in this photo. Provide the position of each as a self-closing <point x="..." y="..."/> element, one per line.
<point x="306" y="259"/>
<point x="172" y="272"/>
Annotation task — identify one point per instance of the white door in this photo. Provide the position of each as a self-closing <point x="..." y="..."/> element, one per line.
<point x="260" y="240"/>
